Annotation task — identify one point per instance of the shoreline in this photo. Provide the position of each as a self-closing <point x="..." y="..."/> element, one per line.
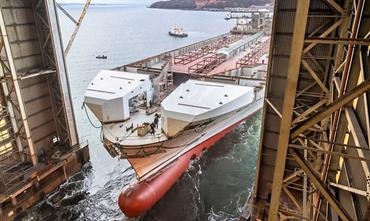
<point x="195" y="9"/>
<point x="145" y="6"/>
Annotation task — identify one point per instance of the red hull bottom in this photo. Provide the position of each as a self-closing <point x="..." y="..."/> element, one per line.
<point x="140" y="197"/>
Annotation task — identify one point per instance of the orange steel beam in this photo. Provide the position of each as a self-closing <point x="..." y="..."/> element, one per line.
<point x="320" y="186"/>
<point x="300" y="22"/>
<point x="335" y="106"/>
<point x="343" y="86"/>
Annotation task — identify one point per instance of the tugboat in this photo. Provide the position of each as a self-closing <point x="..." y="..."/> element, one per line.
<point x="159" y="137"/>
<point x="177" y="32"/>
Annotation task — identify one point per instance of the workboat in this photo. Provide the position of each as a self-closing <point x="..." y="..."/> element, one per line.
<point x="101" y="57"/>
<point x="158" y="132"/>
<point x="177" y="32"/>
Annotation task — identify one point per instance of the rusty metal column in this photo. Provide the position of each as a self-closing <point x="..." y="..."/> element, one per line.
<point x="61" y="71"/>
<point x="296" y="50"/>
<point x="10" y="109"/>
<point x="17" y="89"/>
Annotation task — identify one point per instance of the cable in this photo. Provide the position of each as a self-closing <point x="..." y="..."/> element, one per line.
<point x="101" y="135"/>
<point x="88" y="117"/>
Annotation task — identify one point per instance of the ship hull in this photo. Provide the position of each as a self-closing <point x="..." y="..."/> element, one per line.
<point x="178" y="35"/>
<point x="141" y="196"/>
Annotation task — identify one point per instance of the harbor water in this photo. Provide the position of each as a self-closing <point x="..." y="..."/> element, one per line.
<point x="215" y="187"/>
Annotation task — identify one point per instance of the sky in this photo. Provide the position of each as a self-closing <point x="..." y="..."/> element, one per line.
<point x="107" y="1"/>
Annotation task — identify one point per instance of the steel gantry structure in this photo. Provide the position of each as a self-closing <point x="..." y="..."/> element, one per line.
<point x="39" y="145"/>
<point x="314" y="152"/>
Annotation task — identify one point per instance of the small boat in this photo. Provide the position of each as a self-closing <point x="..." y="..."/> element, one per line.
<point x="101" y="57"/>
<point x="177" y="32"/>
<point x="228" y="16"/>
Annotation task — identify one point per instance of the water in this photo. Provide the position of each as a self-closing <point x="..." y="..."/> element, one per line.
<point x="214" y="188"/>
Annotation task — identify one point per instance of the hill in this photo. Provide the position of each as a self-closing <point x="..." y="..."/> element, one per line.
<point x="207" y="4"/>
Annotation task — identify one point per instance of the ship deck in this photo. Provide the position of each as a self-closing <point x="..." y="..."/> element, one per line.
<point x="123" y="134"/>
<point x="194" y="59"/>
<point x="169" y="151"/>
<point x="229" y="64"/>
<point x="165" y="152"/>
<point x="174" y="148"/>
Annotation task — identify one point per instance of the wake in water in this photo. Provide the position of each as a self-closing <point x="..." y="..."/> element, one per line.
<point x="221" y="216"/>
<point x="230" y="170"/>
<point x="72" y="201"/>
